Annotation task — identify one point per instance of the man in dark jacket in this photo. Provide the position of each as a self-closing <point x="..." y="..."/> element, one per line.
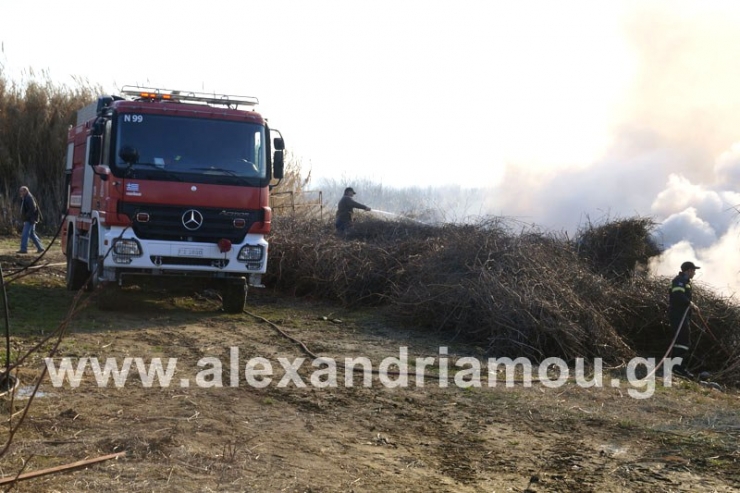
<point x="680" y="307"/>
<point x="344" y="210"/>
<point x="30" y="215"/>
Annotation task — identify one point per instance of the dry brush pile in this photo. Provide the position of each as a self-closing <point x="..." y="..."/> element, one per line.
<point x="514" y="291"/>
<point x="615" y="247"/>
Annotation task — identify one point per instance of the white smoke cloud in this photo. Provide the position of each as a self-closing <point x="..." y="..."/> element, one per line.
<point x="694" y="212"/>
<point x="675" y="151"/>
<point x="687" y="226"/>
<point x="719" y="262"/>
<point x="669" y="263"/>
<point x="727" y="167"/>
<point x="622" y="184"/>
<point x="702" y="224"/>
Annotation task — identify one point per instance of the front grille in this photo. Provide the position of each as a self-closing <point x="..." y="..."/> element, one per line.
<point x="219" y="263"/>
<point x="165" y="223"/>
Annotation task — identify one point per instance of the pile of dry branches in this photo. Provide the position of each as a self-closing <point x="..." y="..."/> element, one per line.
<point x="516" y="292"/>
<point x="615" y="247"/>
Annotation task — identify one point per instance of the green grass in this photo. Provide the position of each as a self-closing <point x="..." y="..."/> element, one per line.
<point x="36" y="306"/>
<point x="10" y="242"/>
<point x="39" y="302"/>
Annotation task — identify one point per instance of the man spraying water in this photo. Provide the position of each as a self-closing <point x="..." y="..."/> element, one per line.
<point x="345" y="208"/>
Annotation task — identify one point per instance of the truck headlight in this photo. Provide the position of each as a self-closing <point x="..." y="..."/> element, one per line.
<point x="126" y="247"/>
<point x="250" y="252"/>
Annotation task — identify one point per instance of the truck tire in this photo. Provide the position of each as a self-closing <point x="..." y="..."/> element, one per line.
<point x="233" y="296"/>
<point x="77" y="272"/>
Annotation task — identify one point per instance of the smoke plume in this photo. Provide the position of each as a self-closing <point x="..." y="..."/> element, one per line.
<point x="675" y="153"/>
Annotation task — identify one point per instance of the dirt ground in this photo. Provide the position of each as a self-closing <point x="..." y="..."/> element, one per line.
<point x="240" y="438"/>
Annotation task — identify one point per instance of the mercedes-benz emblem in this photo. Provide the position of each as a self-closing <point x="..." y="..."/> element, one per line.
<point x="192" y="219"/>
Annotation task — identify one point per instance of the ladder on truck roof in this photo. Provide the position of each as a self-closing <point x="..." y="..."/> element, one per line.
<point x="145" y="93"/>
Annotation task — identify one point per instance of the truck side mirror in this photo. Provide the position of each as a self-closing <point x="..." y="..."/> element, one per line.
<point x="96" y="146"/>
<point x="277" y="164"/>
<point x="96" y="142"/>
<point x="278" y="144"/>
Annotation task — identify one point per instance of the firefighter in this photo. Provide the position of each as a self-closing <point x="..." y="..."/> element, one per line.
<point x="344" y="210"/>
<point x="680" y="308"/>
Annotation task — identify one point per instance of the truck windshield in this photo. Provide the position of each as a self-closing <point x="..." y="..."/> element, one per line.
<point x="177" y="148"/>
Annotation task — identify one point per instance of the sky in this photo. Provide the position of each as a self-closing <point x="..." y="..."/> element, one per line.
<point x="401" y="91"/>
<point x="564" y="112"/>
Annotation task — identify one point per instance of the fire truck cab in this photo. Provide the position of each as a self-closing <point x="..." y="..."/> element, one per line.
<point x="170" y="183"/>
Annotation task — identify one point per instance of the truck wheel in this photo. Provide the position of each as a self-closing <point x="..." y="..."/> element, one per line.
<point x="233" y="296"/>
<point x="77" y="272"/>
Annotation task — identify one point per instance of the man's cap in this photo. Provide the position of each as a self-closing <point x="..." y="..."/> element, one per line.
<point x="688" y="265"/>
<point x="349" y="190"/>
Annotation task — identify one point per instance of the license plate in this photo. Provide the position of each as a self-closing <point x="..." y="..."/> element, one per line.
<point x="190" y="252"/>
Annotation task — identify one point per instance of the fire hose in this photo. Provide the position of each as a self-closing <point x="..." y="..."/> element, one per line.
<point x="670" y="346"/>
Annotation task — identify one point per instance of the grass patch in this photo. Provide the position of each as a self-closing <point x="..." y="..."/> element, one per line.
<point x="10" y="242"/>
<point x="37" y="306"/>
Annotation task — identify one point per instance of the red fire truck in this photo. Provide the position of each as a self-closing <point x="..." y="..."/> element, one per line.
<point x="170" y="183"/>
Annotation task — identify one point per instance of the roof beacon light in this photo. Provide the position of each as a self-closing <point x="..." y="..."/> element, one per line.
<point x="146" y="93"/>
